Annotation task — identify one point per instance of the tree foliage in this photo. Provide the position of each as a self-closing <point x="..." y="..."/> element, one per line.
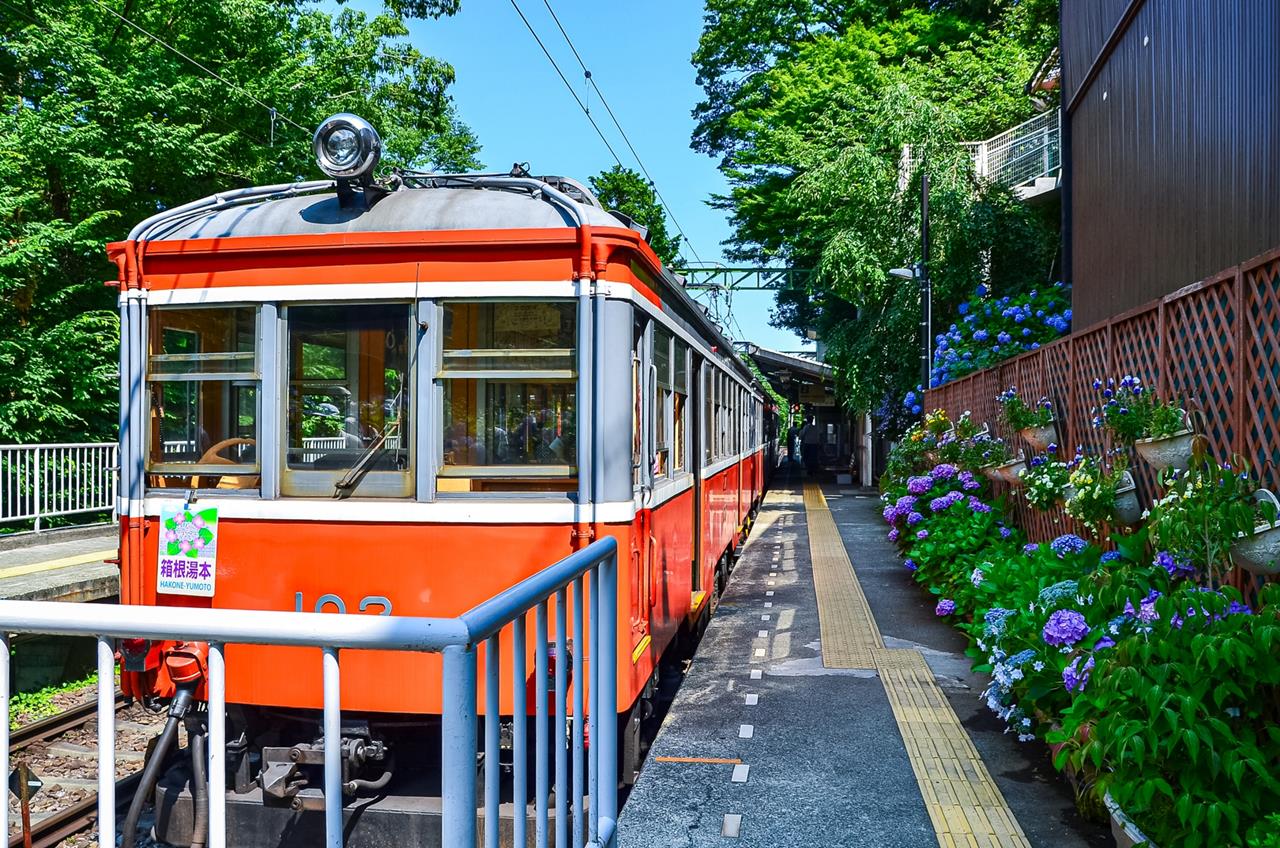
<point x="100" y="126"/>
<point x="809" y="105"/>
<point x="631" y="194"/>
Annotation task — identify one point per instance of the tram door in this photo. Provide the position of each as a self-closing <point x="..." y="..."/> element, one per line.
<point x="696" y="404"/>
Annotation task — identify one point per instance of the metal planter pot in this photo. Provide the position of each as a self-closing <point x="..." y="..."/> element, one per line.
<point x="1123" y="830"/>
<point x="1259" y="552"/>
<point x="1128" y="509"/>
<point x="1039" y="437"/>
<point x="1010" y="470"/>
<point x="1170" y="452"/>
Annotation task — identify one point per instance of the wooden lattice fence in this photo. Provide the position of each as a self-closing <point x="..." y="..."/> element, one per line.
<point x="1215" y="344"/>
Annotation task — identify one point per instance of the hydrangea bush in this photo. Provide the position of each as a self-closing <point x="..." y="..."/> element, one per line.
<point x="991" y="329"/>
<point x="1148" y="677"/>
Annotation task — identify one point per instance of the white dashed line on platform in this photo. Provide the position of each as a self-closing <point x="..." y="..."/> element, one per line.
<point x="732" y="825"/>
<point x="752" y="699"/>
<point x="746" y="731"/>
<point x="740" y="772"/>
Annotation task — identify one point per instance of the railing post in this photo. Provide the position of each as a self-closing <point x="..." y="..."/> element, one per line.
<point x="606" y="690"/>
<point x="37" y="473"/>
<point x="4" y="725"/>
<point x="106" y="741"/>
<point x="332" y="750"/>
<point x="217" y="746"/>
<point x="458" y="748"/>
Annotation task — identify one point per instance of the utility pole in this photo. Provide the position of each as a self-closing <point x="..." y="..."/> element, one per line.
<point x="926" y="289"/>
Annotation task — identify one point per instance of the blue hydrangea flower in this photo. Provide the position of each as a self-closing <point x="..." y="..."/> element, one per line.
<point x="946" y="606"/>
<point x="1068" y="543"/>
<point x="1064" y="628"/>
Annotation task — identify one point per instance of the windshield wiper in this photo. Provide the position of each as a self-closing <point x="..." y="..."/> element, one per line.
<point x="344" y="487"/>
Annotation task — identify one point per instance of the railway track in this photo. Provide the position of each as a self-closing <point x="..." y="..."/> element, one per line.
<point x="53" y="829"/>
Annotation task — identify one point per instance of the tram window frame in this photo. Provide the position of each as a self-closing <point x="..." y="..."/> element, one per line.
<point x="359" y="478"/>
<point x="163" y="370"/>
<point x="504" y="479"/>
<point x="707" y="428"/>
<point x="680" y="377"/>
<point x="663" y="340"/>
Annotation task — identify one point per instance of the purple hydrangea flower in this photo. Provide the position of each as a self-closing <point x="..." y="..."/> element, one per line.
<point x="945" y="502"/>
<point x="890" y="514"/>
<point x="946" y="606"/>
<point x="1104" y="643"/>
<point x="1065" y="627"/>
<point x="910" y="564"/>
<point x="1068" y="543"/>
<point x="919" y="485"/>
<point x="1030" y="548"/>
<point x="1176" y="566"/>
<point x="945" y="471"/>
<point x="977" y="505"/>
<point x="1005" y="532"/>
<point x="1238" y="608"/>
<point x="893" y="535"/>
<point x="1111" y="556"/>
<point x="906" y="502"/>
<point x="1076" y="676"/>
<point x="914" y="518"/>
<point x="922" y="534"/>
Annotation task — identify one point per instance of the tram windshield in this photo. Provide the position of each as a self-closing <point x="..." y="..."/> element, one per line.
<point x="510" y="396"/>
<point x="203" y="377"/>
<point x="348" y="402"/>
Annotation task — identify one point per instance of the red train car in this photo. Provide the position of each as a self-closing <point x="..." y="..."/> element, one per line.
<point x="403" y="397"/>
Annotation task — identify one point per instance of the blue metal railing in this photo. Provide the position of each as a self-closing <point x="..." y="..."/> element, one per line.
<point x="582" y="589"/>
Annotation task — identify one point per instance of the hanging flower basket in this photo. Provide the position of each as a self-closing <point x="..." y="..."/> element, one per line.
<point x="1259" y="552"/>
<point x="1169" y="451"/>
<point x="1123" y="830"/>
<point x="1040" y="437"/>
<point x="1009" y="472"/>
<point x="992" y="473"/>
<point x="1128" y="508"/>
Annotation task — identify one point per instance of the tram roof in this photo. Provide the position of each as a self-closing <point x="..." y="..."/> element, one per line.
<point x="408" y="209"/>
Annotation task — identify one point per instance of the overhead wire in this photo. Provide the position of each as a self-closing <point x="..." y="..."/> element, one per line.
<point x="618" y="124"/>
<point x="275" y="114"/>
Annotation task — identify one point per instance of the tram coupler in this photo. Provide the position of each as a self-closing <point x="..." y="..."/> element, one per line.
<point x="287" y="772"/>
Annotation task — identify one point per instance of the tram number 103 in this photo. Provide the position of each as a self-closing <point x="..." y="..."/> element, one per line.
<point x="339" y="605"/>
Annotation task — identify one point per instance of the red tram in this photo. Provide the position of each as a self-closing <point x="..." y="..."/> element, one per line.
<point x="404" y="396"/>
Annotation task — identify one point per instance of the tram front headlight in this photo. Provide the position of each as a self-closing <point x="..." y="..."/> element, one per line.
<point x="347" y="146"/>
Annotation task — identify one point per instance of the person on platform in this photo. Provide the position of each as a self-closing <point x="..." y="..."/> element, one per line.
<point x="811" y="445"/>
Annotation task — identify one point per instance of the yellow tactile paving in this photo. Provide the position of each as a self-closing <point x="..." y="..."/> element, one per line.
<point x="964" y="804"/>
<point x="850" y="636"/>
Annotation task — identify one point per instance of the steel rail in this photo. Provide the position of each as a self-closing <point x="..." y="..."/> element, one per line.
<point x="51" y="831"/>
<point x="56" y="725"/>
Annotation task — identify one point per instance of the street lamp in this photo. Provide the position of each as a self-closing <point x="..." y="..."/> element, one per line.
<point x="920" y="273"/>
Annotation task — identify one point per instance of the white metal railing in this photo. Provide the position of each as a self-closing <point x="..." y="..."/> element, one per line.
<point x="577" y="594"/>
<point x="42" y="481"/>
<point x="1015" y="157"/>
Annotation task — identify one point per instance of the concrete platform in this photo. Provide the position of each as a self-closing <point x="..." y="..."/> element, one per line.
<point x="800" y="729"/>
<point x="60" y="566"/>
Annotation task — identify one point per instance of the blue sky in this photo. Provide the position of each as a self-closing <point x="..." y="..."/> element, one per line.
<point x="638" y="54"/>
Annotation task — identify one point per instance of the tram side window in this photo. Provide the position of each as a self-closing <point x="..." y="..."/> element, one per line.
<point x="203" y="380"/>
<point x="708" y="413"/>
<point x="348" y="424"/>
<point x="637" y="401"/>
<point x="662" y="402"/>
<point x="509" y="373"/>
<point x="679" y="406"/>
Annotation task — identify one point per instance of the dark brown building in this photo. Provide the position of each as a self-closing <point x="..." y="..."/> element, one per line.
<point x="1171" y="138"/>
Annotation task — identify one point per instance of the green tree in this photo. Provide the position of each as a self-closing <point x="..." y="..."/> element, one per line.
<point x="631" y="194"/>
<point x="809" y="106"/>
<point x="100" y="126"/>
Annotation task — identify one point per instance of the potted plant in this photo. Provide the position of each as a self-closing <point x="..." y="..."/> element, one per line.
<point x="991" y="455"/>
<point x="1011" y="471"/>
<point x="1160" y="431"/>
<point x="1205" y="513"/>
<point x="1044" y="481"/>
<point x="1123" y="829"/>
<point x="1102" y="494"/>
<point x="1034" y="423"/>
<point x="1259" y="552"/>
